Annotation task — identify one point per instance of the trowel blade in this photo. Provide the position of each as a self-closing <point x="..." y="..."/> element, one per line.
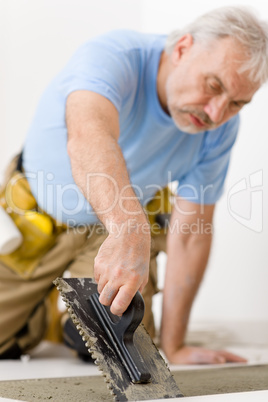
<point x="75" y="293"/>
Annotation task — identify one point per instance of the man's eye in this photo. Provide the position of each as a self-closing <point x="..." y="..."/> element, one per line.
<point x="214" y="88"/>
<point x="237" y="104"/>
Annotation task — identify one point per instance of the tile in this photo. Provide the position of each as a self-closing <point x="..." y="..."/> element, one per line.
<point x="256" y="396"/>
<point x="46" y="361"/>
<point x="8" y="400"/>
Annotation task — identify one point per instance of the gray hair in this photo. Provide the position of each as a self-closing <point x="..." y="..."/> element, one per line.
<point x="238" y="23"/>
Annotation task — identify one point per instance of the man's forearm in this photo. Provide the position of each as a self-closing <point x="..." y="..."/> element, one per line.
<point x="186" y="264"/>
<point x="102" y="176"/>
<point x="99" y="169"/>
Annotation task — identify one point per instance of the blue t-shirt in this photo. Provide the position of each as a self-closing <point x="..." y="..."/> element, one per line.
<point x="123" y="66"/>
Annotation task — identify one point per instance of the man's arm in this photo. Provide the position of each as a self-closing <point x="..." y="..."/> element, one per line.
<point x="188" y="247"/>
<point x="99" y="169"/>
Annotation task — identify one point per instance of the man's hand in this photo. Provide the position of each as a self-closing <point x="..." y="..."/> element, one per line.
<point x="198" y="355"/>
<point x="121" y="269"/>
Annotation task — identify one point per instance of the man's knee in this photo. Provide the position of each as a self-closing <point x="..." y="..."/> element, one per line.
<point x="27" y="337"/>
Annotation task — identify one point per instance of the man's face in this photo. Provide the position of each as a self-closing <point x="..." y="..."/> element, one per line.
<point x="204" y="88"/>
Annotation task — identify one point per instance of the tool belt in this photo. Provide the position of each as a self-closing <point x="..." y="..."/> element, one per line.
<point x="159" y="211"/>
<point x="38" y="229"/>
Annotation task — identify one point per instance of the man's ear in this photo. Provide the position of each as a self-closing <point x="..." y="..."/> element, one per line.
<point x="183" y="45"/>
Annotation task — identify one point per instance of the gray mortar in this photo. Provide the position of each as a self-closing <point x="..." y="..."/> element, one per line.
<point x="93" y="389"/>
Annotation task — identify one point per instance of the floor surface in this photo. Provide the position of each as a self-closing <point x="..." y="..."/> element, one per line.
<point x="55" y="367"/>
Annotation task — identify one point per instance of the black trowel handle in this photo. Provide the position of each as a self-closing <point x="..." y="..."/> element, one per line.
<point x="120" y="333"/>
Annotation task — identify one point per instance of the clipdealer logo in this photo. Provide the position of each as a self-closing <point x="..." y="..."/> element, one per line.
<point x="249" y="192"/>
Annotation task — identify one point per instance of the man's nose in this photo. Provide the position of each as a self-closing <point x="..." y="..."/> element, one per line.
<point x="216" y="108"/>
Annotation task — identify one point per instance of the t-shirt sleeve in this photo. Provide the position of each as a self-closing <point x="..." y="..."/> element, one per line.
<point x="204" y="183"/>
<point x="101" y="66"/>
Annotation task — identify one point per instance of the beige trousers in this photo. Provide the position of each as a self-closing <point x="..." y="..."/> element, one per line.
<point x="23" y="302"/>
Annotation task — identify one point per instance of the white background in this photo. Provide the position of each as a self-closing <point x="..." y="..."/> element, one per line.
<point x="38" y="37"/>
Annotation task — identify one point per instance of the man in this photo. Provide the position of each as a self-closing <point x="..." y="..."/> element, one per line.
<point x="125" y="117"/>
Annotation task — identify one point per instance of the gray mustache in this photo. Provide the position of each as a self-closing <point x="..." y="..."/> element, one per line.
<point x="200" y="115"/>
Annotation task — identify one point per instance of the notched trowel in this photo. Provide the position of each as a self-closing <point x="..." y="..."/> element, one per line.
<point x="123" y="350"/>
